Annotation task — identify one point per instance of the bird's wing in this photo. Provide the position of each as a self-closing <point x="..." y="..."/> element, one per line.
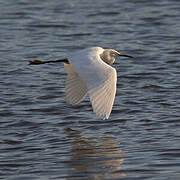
<point x="102" y="96"/>
<point x="100" y="79"/>
<point x="76" y="89"/>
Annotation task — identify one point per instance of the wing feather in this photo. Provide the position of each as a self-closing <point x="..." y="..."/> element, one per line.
<point x="102" y="97"/>
<point x="76" y="89"/>
<point x="100" y="79"/>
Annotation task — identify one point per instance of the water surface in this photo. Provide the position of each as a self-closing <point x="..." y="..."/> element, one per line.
<point x="41" y="137"/>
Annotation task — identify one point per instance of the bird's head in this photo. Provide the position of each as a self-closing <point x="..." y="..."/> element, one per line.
<point x="108" y="55"/>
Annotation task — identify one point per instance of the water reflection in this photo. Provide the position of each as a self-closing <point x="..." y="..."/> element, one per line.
<point x="94" y="158"/>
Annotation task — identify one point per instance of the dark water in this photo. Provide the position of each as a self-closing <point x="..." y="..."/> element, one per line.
<point x="41" y="137"/>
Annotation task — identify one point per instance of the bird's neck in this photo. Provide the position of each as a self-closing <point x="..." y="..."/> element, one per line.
<point x="107" y="58"/>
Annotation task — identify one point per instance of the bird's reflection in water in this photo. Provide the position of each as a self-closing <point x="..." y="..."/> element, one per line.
<point x="99" y="158"/>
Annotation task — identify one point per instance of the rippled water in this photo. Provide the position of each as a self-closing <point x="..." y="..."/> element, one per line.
<point x="41" y="137"/>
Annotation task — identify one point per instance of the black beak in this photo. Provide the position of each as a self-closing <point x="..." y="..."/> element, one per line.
<point x="126" y="55"/>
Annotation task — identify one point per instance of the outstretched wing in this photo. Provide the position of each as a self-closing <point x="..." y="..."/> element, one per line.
<point x="76" y="89"/>
<point x="102" y="96"/>
<point x="99" y="77"/>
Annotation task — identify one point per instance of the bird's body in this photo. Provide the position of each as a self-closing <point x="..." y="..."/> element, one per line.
<point x="90" y="73"/>
<point x="95" y="77"/>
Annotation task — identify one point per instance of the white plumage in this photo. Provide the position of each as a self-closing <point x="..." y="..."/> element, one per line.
<point x="89" y="72"/>
<point x="76" y="89"/>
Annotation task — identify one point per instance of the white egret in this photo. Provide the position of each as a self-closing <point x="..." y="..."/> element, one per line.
<point x="89" y="72"/>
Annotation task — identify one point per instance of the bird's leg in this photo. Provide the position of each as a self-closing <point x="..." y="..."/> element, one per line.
<point x="37" y="62"/>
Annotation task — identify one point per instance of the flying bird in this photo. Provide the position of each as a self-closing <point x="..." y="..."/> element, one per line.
<point x="89" y="73"/>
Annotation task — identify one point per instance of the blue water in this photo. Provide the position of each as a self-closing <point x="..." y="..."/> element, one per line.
<point x="42" y="137"/>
